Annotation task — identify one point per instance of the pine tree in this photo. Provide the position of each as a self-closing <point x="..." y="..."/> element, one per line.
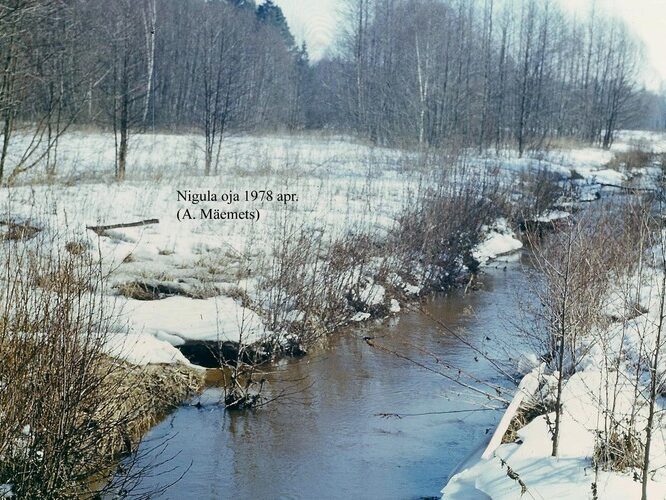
<point x="271" y="14"/>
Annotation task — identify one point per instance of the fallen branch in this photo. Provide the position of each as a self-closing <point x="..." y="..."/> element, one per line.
<point x="18" y="230"/>
<point x="100" y="229"/>
<point x="626" y="188"/>
<point x="445" y="412"/>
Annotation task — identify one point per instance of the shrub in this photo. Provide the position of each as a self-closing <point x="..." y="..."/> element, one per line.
<point x="68" y="410"/>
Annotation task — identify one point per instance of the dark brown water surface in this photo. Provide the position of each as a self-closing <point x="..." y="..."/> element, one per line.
<point x="326" y="440"/>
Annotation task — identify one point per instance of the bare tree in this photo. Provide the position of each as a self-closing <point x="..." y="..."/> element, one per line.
<point x="573" y="267"/>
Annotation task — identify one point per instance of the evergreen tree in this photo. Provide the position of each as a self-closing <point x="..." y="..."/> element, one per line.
<point x="243" y="4"/>
<point x="271" y="14"/>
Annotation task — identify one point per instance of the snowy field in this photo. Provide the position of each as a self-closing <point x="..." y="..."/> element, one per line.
<point x="341" y="186"/>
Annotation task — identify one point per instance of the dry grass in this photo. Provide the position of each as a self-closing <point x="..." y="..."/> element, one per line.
<point x="156" y="290"/>
<point x="632" y="160"/>
<point x="75" y="247"/>
<point x="51" y="281"/>
<point x="18" y="231"/>
<point x="525" y="414"/>
<point x="138" y="291"/>
<point x="146" y="394"/>
<point x="620" y="452"/>
<point x="68" y="410"/>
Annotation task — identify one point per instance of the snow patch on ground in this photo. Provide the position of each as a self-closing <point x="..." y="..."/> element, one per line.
<point x="373" y="294"/>
<point x="586" y="402"/>
<point x="360" y="316"/>
<point x="628" y="140"/>
<point x="607" y="176"/>
<point x="141" y="350"/>
<point x="179" y="319"/>
<point x="499" y="240"/>
<point x="553" y="215"/>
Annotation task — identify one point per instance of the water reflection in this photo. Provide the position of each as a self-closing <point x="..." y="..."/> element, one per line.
<point x="325" y="440"/>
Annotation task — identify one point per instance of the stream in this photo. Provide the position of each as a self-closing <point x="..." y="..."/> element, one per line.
<point x="324" y="438"/>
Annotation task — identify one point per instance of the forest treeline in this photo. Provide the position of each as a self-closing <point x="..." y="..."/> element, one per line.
<point x="486" y="71"/>
<point x="131" y="64"/>
<point x="429" y="72"/>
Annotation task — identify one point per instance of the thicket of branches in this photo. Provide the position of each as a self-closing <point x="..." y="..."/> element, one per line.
<point x="592" y="308"/>
<point x="128" y="65"/>
<point x="484" y="73"/>
<point x="426" y="72"/>
<point x="69" y="411"/>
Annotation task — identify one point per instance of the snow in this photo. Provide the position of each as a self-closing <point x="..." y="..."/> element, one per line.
<point x="628" y="140"/>
<point x="343" y="186"/>
<point x="607" y="176"/>
<point x="569" y="476"/>
<point x="526" y="390"/>
<point x="527" y="361"/>
<point x="407" y="288"/>
<point x="499" y="240"/>
<point x="596" y="390"/>
<point x="553" y="215"/>
<point x="142" y="350"/>
<point x="588" y="158"/>
<point x="6" y="490"/>
<point x="373" y="294"/>
<point x="179" y="319"/>
<point x="360" y="316"/>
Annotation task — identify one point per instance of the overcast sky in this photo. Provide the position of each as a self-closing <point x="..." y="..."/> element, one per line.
<point x="315" y="22"/>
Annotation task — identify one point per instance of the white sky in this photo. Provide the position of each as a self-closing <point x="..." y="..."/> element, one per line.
<point x="647" y="19"/>
<point x="315" y="22"/>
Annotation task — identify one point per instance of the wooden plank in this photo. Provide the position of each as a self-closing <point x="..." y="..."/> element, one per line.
<point x="101" y="229"/>
<point x="526" y="389"/>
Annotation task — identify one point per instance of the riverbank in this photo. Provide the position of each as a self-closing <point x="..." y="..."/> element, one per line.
<point x="325" y="436"/>
<point x="190" y="280"/>
<point x="152" y="392"/>
<point x="611" y="402"/>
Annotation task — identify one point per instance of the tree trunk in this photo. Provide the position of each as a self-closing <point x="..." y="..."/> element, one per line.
<point x="561" y="350"/>
<point x="654" y="385"/>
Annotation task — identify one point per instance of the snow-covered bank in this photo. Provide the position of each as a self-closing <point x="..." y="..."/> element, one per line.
<point x="500" y="239"/>
<point x="604" y="416"/>
<point x="141" y="350"/>
<point x="572" y="474"/>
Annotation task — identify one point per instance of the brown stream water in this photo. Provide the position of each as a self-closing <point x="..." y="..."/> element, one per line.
<point x="325" y="440"/>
